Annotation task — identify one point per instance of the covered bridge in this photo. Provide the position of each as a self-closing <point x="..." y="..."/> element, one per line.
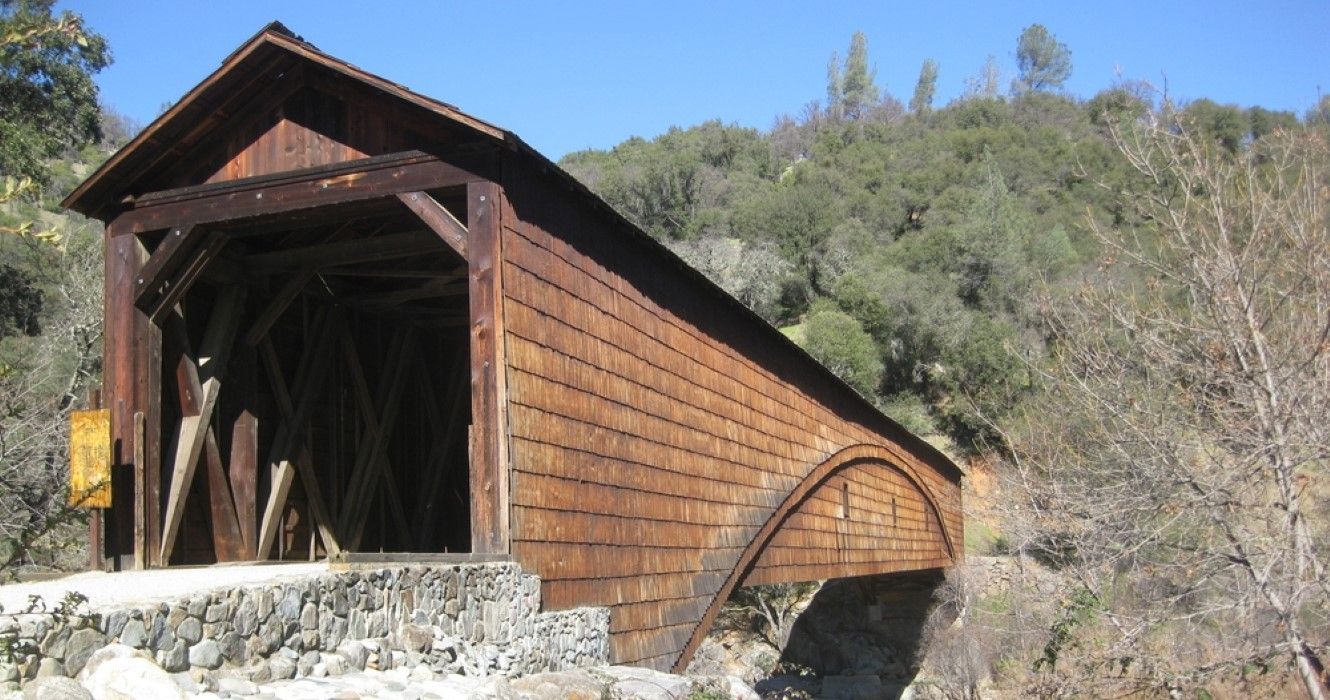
<point x="342" y="318"/>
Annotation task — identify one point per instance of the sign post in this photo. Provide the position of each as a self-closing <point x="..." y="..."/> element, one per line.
<point x="90" y="471"/>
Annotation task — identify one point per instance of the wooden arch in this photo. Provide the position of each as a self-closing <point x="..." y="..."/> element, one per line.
<point x="862" y="454"/>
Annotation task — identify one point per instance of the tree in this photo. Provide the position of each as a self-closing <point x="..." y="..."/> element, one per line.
<point x="922" y="101"/>
<point x="1043" y="61"/>
<point x="858" y="92"/>
<point x="836" y="340"/>
<point x="835" y="87"/>
<point x="48" y="102"/>
<point x="751" y="273"/>
<point x="771" y="609"/>
<point x="1226" y="124"/>
<point x="1183" y="479"/>
<point x="42" y="378"/>
<point x="50" y="315"/>
<point x="985" y="84"/>
<point x="1264" y="121"/>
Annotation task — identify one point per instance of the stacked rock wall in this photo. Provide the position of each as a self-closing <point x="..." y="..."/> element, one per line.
<point x="474" y="619"/>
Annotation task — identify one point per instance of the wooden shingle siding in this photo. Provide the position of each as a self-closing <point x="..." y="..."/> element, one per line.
<point x="889" y="524"/>
<point x="577" y="397"/>
<point x="653" y="434"/>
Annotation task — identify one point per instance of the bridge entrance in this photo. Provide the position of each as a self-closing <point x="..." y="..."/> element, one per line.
<point x="315" y="387"/>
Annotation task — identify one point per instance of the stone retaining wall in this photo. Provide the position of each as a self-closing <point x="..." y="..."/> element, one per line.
<point x="473" y="619"/>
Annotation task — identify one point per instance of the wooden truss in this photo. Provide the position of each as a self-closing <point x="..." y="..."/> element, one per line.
<point x="202" y="241"/>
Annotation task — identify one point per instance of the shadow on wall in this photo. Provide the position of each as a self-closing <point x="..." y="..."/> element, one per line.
<point x="860" y="637"/>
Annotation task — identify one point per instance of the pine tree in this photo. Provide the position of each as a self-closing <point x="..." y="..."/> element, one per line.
<point x="922" y="101"/>
<point x="858" y="91"/>
<point x="835" y="86"/>
<point x="1044" y="62"/>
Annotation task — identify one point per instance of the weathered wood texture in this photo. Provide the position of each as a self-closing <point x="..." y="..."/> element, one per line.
<point x="635" y="437"/>
<point x="890" y="525"/>
<point x="132" y="382"/>
<point x="655" y="429"/>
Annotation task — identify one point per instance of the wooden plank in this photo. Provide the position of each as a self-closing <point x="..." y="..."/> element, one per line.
<point x="131" y="372"/>
<point x="190" y="272"/>
<point x="379" y="415"/>
<point x="355" y="181"/>
<point x="311" y="377"/>
<point x="450" y="419"/>
<point x="433" y="289"/>
<point x="200" y="383"/>
<point x="390" y="247"/>
<point x="396" y="272"/>
<point x="438" y="219"/>
<point x="309" y="479"/>
<point x="489" y="415"/>
<point x="179" y="243"/>
<point x="288" y="292"/>
<point x="141" y="547"/>
<point x="243" y="461"/>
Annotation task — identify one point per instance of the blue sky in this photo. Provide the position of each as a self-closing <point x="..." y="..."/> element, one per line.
<point x="571" y="75"/>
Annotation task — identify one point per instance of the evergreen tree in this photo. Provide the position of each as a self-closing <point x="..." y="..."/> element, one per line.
<point x="922" y="101"/>
<point x="1043" y="61"/>
<point x="858" y="91"/>
<point x="835" y="86"/>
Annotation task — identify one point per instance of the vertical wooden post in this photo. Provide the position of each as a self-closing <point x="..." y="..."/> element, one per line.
<point x="96" y="524"/>
<point x="243" y="467"/>
<point x="489" y="391"/>
<point x="132" y="382"/>
<point x="148" y="401"/>
<point x="140" y="496"/>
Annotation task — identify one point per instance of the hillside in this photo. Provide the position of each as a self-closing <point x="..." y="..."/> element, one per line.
<point x="1109" y="307"/>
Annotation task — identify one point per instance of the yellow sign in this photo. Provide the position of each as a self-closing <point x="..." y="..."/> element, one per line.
<point x="90" y="459"/>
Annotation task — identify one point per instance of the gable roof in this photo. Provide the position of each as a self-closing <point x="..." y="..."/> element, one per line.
<point x="275" y="49"/>
<point x="268" y="54"/>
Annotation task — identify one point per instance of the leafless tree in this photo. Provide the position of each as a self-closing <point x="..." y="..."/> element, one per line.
<point x="1183" y="477"/>
<point x="42" y="379"/>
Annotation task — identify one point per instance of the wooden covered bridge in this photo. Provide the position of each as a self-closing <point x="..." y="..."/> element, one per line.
<point x="342" y="317"/>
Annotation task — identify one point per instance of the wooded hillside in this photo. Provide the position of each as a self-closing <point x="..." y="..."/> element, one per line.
<point x="1121" y="302"/>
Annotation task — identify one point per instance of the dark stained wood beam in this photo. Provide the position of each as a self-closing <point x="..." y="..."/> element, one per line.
<point x="438" y="219"/>
<point x="228" y="540"/>
<point x="445" y="424"/>
<point x="430" y="290"/>
<point x="311" y="377"/>
<point x="193" y="432"/>
<point x="191" y="271"/>
<point x="489" y="417"/>
<point x="379" y="415"/>
<point x="243" y="461"/>
<point x="443" y="322"/>
<point x="289" y="291"/>
<point x="308" y="478"/>
<point x="141" y="545"/>
<point x="284" y="193"/>
<point x="443" y="273"/>
<point x="360" y="250"/>
<point x="179" y="243"/>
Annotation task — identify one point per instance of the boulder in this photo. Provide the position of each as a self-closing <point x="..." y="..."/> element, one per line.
<point x="131" y="678"/>
<point x="644" y="683"/>
<point x="206" y="654"/>
<point x="80" y="647"/>
<point x="574" y="685"/>
<point x="55" y="688"/>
